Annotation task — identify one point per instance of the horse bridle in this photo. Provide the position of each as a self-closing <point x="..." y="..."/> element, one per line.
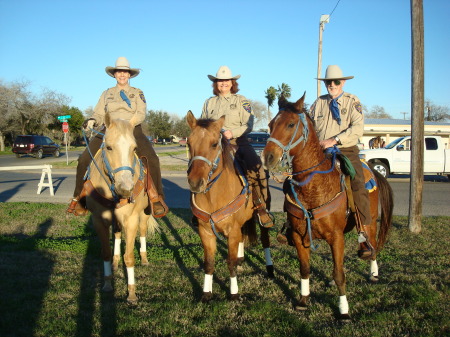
<point x="213" y="165"/>
<point x="286" y="158"/>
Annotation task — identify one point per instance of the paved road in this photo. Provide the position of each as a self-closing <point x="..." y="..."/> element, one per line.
<point x="22" y="186"/>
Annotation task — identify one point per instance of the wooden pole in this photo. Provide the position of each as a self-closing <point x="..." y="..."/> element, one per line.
<point x="417" y="112"/>
<point x="319" y="58"/>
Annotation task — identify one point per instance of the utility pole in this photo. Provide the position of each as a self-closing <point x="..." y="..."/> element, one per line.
<point x="417" y="120"/>
<point x="404" y="114"/>
<point x="323" y="20"/>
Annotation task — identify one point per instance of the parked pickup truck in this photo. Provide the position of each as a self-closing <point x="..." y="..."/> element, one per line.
<point x="395" y="158"/>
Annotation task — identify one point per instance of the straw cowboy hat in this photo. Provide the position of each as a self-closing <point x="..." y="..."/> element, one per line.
<point x="224" y="73"/>
<point x="122" y="64"/>
<point x="333" y="72"/>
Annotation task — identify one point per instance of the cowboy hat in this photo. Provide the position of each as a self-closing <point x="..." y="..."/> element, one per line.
<point x="333" y="72"/>
<point x="122" y="64"/>
<point x="224" y="73"/>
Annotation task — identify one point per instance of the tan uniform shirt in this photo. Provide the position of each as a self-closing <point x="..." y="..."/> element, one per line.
<point x="237" y="110"/>
<point x="110" y="101"/>
<point x="352" y="119"/>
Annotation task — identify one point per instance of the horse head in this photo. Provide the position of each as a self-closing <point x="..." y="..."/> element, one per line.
<point x="205" y="151"/>
<point x="118" y="154"/>
<point x="288" y="129"/>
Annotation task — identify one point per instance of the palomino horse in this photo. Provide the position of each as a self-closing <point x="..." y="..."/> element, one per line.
<point x="221" y="200"/>
<point x="316" y="200"/>
<point x="116" y="194"/>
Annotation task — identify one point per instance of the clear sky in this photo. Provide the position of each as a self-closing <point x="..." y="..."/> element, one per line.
<point x="65" y="46"/>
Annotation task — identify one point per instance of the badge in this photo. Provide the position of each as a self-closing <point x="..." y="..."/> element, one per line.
<point x="232" y="106"/>
<point x="343" y="111"/>
<point x="247" y="107"/>
<point x="141" y="95"/>
<point x="358" y="107"/>
<point x="132" y="96"/>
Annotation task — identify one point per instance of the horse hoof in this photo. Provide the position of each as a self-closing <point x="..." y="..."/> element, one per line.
<point x="303" y="304"/>
<point x="107" y="288"/>
<point x="344" y="318"/>
<point x="373" y="279"/>
<point x="145" y="263"/>
<point x="240" y="261"/>
<point x="332" y="283"/>
<point x="270" y="273"/>
<point x="235" y="297"/>
<point x="206" y="297"/>
<point x="239" y="268"/>
<point x="132" y="301"/>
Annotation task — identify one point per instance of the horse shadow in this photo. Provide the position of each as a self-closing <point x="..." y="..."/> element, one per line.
<point x="16" y="303"/>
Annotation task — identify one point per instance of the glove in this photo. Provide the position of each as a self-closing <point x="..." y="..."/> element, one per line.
<point x="88" y="124"/>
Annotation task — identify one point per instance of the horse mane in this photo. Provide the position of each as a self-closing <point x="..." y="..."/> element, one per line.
<point x="119" y="127"/>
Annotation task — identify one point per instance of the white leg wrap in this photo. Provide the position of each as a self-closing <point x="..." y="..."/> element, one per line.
<point x="304" y="290"/>
<point x="233" y="285"/>
<point x="373" y="268"/>
<point x="143" y="248"/>
<point x="117" y="243"/>
<point x="240" y="250"/>
<point x="343" y="305"/>
<point x="268" y="257"/>
<point x="207" y="285"/>
<point x="107" y="268"/>
<point x="130" y="273"/>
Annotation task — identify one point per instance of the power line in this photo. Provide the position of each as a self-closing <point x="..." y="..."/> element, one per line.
<point x="335" y="7"/>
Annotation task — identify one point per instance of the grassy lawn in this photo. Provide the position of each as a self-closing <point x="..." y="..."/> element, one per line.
<point x="52" y="274"/>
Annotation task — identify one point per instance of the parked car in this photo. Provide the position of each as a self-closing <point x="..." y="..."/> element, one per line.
<point x="182" y="142"/>
<point x="37" y="146"/>
<point x="258" y="141"/>
<point x="395" y="158"/>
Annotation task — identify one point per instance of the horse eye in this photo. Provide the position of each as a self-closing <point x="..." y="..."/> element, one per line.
<point x="109" y="148"/>
<point x="215" y="145"/>
<point x="291" y="125"/>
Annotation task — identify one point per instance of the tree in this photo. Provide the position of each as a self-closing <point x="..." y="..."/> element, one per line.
<point x="181" y="128"/>
<point x="260" y="111"/>
<point x="284" y="90"/>
<point x="158" y="124"/>
<point x="378" y="112"/>
<point x="271" y="94"/>
<point x="436" y="113"/>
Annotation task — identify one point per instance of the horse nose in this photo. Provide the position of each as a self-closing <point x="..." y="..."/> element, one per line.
<point x="124" y="184"/>
<point x="197" y="186"/>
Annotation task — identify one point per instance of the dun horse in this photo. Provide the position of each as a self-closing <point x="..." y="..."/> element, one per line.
<point x="316" y="201"/>
<point x="221" y="200"/>
<point x="115" y="193"/>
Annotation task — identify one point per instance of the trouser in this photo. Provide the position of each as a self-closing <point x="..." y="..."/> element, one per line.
<point x="360" y="194"/>
<point x="256" y="175"/>
<point x="144" y="149"/>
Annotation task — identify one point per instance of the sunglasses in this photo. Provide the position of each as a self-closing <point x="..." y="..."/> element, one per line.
<point x="336" y="82"/>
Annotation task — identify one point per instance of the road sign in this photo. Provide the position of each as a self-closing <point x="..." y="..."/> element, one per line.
<point x="64" y="117"/>
<point x="65" y="127"/>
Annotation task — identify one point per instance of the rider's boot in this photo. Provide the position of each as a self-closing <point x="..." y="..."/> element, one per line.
<point x="366" y="250"/>
<point x="264" y="217"/>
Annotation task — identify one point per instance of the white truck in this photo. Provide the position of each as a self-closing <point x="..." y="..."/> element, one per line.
<point x="395" y="158"/>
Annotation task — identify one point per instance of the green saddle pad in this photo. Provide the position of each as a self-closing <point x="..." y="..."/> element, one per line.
<point x="346" y="166"/>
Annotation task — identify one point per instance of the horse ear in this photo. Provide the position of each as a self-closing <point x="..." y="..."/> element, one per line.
<point x="282" y="101"/>
<point x="134" y="121"/>
<point x="191" y="120"/>
<point x="107" y="120"/>
<point x="220" y="122"/>
<point x="299" y="104"/>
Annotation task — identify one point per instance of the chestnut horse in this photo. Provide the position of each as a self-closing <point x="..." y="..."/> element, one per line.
<point x="317" y="182"/>
<point x="221" y="200"/>
<point x="116" y="194"/>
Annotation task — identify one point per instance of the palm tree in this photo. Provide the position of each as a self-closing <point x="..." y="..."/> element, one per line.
<point x="271" y="94"/>
<point x="284" y="90"/>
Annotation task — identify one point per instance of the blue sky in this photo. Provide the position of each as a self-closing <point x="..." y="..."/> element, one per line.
<point x="66" y="45"/>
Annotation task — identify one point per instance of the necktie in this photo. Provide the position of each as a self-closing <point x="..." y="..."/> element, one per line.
<point x="335" y="109"/>
<point x="125" y="98"/>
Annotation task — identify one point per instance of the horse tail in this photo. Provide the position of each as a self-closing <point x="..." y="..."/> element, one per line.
<point x="152" y="225"/>
<point x="386" y="198"/>
<point x="249" y="234"/>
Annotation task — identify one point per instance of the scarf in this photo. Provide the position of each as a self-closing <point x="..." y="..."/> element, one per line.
<point x="335" y="109"/>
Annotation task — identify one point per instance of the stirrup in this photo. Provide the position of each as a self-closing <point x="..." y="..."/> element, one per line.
<point x="76" y="208"/>
<point x="265" y="218"/>
<point x="159" y="208"/>
<point x="366" y="250"/>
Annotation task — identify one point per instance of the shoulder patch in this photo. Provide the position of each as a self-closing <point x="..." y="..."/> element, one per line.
<point x="246" y="105"/>
<point x="141" y="95"/>
<point x="358" y="107"/>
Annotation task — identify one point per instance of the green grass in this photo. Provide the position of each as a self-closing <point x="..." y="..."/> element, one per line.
<point x="51" y="276"/>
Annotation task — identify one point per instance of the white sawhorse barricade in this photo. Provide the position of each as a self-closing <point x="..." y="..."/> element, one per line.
<point x="46" y="172"/>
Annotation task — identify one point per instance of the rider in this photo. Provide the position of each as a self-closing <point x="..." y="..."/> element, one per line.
<point x="121" y="101"/>
<point x="339" y="121"/>
<point x="238" y="123"/>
